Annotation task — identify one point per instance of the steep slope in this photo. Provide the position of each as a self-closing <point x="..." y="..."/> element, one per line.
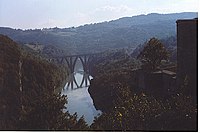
<point x="27" y="92"/>
<point x="9" y="83"/>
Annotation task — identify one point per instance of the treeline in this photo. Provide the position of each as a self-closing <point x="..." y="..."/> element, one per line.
<point x="98" y="37"/>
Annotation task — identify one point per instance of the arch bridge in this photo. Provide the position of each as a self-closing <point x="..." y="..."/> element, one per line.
<point x="71" y="61"/>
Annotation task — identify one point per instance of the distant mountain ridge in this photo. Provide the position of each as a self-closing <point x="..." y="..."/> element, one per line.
<point x="90" y="38"/>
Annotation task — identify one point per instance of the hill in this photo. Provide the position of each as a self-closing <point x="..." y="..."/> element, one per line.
<point x="90" y="38"/>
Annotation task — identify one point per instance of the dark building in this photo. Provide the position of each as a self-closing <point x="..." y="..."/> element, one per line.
<point x="187" y="41"/>
<point x="160" y="83"/>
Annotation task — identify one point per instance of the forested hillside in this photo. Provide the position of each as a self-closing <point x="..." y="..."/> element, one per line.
<point x="28" y="92"/>
<point x="98" y="37"/>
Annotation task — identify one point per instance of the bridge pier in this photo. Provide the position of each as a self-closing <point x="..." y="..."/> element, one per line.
<point x="71" y="62"/>
<point x="85" y="64"/>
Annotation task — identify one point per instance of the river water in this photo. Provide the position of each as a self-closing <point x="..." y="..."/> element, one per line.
<point x="79" y="101"/>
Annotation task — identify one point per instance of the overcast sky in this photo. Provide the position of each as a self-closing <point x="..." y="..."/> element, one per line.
<point x="31" y="14"/>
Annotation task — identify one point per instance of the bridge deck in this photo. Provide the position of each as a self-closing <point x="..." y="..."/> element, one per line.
<point x="80" y="55"/>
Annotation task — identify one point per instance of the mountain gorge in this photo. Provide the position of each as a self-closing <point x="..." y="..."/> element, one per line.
<point x="130" y="96"/>
<point x="127" y="32"/>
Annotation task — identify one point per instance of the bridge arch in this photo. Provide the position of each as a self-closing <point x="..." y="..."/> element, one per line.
<point x="71" y="61"/>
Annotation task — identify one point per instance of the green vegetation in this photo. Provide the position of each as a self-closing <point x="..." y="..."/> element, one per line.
<point x="104" y="62"/>
<point x="29" y="98"/>
<point x="128" y="108"/>
<point x="169" y="43"/>
<point x="111" y="68"/>
<point x="28" y="93"/>
<point x="9" y="84"/>
<point x="141" y="112"/>
<point x="152" y="54"/>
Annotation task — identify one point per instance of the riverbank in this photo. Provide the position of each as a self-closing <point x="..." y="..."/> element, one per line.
<point x="79" y="101"/>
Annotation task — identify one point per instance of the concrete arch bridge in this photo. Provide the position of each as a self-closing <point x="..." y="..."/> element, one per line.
<point x="71" y="61"/>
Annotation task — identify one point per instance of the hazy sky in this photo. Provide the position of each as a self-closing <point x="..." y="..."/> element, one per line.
<point x="30" y="14"/>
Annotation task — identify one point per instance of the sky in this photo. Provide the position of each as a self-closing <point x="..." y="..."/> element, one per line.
<point x="32" y="14"/>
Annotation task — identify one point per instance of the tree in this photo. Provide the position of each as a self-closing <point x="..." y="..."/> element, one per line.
<point x="152" y="54"/>
<point x="42" y="107"/>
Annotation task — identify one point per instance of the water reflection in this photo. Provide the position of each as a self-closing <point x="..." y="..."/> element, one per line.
<point x="79" y="101"/>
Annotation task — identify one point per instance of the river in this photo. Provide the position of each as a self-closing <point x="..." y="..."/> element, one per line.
<point x="79" y="101"/>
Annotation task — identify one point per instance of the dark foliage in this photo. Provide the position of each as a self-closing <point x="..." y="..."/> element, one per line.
<point x="110" y="69"/>
<point x="145" y="113"/>
<point x="170" y="43"/>
<point x="104" y="62"/>
<point x="127" y="109"/>
<point x="28" y="89"/>
<point x="9" y="83"/>
<point x="152" y="54"/>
